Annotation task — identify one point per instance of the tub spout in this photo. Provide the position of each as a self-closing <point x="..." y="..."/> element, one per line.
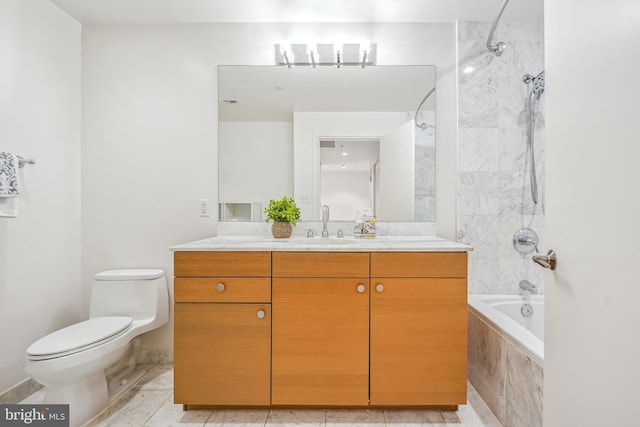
<point x="526" y="285"/>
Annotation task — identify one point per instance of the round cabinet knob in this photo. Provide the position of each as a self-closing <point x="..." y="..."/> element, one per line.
<point x="379" y="287"/>
<point x="361" y="288"/>
<point x="260" y="314"/>
<point x="220" y="287"/>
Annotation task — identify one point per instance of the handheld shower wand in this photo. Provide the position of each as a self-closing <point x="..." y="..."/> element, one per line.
<point x="537" y="89"/>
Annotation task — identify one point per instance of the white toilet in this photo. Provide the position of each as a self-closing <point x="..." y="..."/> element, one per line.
<point x="87" y="364"/>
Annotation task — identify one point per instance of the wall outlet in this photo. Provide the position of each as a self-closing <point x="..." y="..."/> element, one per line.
<point x="204" y="207"/>
<point x="304" y="198"/>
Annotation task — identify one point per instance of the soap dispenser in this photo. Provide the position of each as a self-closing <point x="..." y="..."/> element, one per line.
<point x="365" y="224"/>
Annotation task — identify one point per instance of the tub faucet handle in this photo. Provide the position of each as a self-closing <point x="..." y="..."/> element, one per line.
<point x="525" y="241"/>
<point x="549" y="261"/>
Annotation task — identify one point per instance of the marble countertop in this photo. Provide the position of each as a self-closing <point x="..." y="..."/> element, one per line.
<point x="317" y="244"/>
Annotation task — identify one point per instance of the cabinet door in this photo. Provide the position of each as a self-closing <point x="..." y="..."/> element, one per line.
<point x="418" y="341"/>
<point x="222" y="354"/>
<point x="320" y="341"/>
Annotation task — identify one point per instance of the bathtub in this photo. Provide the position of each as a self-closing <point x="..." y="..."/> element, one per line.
<point x="502" y="312"/>
<point x="506" y="357"/>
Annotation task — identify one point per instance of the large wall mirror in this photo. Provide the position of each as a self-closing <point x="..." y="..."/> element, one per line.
<point x="345" y="137"/>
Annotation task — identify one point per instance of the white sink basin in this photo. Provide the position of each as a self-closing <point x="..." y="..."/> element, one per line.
<point x="321" y="241"/>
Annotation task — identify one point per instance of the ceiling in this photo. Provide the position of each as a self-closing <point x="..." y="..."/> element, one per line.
<point x="349" y="156"/>
<point x="256" y="11"/>
<point x="269" y="93"/>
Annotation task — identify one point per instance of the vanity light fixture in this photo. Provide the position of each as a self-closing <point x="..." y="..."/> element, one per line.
<point x="333" y="54"/>
<point x="311" y="54"/>
<point x="284" y="50"/>
<point x="365" y="49"/>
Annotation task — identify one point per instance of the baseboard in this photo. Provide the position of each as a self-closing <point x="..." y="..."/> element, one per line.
<point x="20" y="391"/>
<point x="149" y="356"/>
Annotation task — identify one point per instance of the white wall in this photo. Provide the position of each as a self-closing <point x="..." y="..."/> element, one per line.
<point x="397" y="177"/>
<point x="344" y="192"/>
<point x="258" y="161"/>
<point x="149" y="111"/>
<point x="39" y="118"/>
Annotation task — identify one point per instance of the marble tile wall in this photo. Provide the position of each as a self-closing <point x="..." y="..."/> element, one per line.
<point x="510" y="383"/>
<point x="493" y="197"/>
<point x="425" y="165"/>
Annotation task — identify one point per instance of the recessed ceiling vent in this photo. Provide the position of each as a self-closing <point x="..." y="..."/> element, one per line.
<point x="327" y="143"/>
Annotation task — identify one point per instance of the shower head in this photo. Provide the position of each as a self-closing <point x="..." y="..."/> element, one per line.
<point x="537" y="83"/>
<point x="527" y="78"/>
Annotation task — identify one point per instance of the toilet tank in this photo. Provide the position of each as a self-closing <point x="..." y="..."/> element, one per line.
<point x="138" y="293"/>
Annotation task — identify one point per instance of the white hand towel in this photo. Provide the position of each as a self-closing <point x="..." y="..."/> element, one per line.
<point x="8" y="207"/>
<point x="8" y="185"/>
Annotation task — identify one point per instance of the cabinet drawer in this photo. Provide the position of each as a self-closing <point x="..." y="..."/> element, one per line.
<point x="419" y="264"/>
<point x="202" y="264"/>
<point x="233" y="289"/>
<point x="320" y="264"/>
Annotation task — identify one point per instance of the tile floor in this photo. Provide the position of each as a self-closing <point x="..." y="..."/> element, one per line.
<point x="150" y="403"/>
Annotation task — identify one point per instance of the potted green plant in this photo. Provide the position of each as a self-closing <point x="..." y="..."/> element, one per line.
<point x="283" y="213"/>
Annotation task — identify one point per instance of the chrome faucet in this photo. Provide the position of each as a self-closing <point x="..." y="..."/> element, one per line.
<point x="526" y="285"/>
<point x="325" y="220"/>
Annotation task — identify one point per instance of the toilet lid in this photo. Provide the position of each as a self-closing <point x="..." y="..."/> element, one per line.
<point x="78" y="337"/>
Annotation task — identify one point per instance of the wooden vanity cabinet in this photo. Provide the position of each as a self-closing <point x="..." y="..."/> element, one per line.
<point x="222" y="328"/>
<point x="418" y="329"/>
<point x="320" y="327"/>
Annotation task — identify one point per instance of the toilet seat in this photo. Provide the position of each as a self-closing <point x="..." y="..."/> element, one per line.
<point x="79" y="337"/>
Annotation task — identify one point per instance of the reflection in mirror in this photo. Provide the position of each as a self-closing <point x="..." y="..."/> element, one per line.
<point x="348" y="175"/>
<point x="285" y="131"/>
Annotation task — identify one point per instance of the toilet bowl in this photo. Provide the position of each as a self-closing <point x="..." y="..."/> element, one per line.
<point x="86" y="364"/>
